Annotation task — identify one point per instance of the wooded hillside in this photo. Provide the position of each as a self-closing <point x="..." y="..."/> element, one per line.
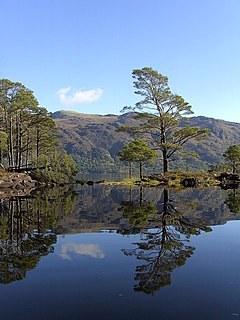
<point x="94" y="142"/>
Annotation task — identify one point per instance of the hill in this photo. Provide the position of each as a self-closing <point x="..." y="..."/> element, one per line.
<point x="94" y="142"/>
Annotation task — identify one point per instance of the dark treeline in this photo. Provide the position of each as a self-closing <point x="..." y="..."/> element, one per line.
<point x="28" y="136"/>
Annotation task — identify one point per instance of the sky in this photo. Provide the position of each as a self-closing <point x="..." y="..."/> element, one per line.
<point x="79" y="54"/>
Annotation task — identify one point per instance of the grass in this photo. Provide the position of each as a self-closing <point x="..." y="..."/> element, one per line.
<point x="170" y="179"/>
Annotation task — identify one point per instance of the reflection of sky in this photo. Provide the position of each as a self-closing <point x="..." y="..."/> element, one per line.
<point x="91" y="250"/>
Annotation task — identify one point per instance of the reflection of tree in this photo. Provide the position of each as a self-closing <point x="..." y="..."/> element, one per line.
<point x="23" y="254"/>
<point x="233" y="200"/>
<point x="162" y="248"/>
<point x="25" y="230"/>
<point x="137" y="212"/>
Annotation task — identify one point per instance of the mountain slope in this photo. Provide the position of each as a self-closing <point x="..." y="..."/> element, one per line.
<point x="94" y="142"/>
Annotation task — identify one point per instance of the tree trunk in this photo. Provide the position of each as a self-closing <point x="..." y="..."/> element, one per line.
<point x="165" y="201"/>
<point x="141" y="170"/>
<point x="130" y="169"/>
<point x="165" y="161"/>
<point x="234" y="168"/>
<point x="130" y="194"/>
<point x="140" y="195"/>
<point x="20" y="138"/>
<point x="37" y="143"/>
<point x="27" y="151"/>
<point x="17" y="141"/>
<point x="10" y="143"/>
<point x="164" y="150"/>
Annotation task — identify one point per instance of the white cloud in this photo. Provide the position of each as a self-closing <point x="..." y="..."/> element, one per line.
<point x="91" y="250"/>
<point x="79" y="96"/>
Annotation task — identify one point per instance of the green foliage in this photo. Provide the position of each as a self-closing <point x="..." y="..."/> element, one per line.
<point x="232" y="156"/>
<point x="45" y="132"/>
<point x="18" y="105"/>
<point x="29" y="135"/>
<point x="3" y="145"/>
<point x="138" y="212"/>
<point x="59" y="167"/>
<point x="137" y="151"/>
<point x="160" y="113"/>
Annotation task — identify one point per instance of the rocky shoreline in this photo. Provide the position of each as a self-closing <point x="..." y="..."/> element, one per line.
<point x="12" y="184"/>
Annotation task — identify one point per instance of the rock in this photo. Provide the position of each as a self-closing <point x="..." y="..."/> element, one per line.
<point x="82" y="182"/>
<point x="158" y="177"/>
<point x="19" y="181"/>
<point x="7" y="185"/>
<point x="90" y="183"/>
<point x="20" y="187"/>
<point x="100" y="181"/>
<point x="228" y="176"/>
<point x="189" y="182"/>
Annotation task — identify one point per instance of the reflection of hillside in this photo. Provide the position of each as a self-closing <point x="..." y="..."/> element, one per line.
<point x="97" y="207"/>
<point x="207" y="205"/>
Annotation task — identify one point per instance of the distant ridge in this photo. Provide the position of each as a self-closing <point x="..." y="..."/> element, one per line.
<point x="93" y="141"/>
<point x="66" y="114"/>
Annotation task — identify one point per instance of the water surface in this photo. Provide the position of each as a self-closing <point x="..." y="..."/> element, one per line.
<point x="100" y="252"/>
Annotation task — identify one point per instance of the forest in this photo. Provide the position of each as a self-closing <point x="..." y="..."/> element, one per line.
<point x="28" y="135"/>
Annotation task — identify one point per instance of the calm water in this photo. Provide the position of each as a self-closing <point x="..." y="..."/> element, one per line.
<point x="111" y="253"/>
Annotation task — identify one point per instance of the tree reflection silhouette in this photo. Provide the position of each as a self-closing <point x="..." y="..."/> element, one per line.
<point x="137" y="212"/>
<point x="162" y="248"/>
<point x="25" y="230"/>
<point x="233" y="200"/>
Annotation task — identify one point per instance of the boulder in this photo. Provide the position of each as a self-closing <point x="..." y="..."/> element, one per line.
<point x="189" y="182"/>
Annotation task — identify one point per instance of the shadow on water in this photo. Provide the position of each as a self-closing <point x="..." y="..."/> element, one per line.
<point x="164" y="220"/>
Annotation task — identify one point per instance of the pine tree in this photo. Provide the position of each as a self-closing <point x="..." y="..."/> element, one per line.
<point x="137" y="151"/>
<point x="160" y="112"/>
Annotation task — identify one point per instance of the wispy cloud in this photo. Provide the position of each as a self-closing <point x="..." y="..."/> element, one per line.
<point x="78" y="97"/>
<point x="91" y="250"/>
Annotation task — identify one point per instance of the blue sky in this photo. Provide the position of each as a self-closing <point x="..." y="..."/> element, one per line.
<point x="79" y="54"/>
